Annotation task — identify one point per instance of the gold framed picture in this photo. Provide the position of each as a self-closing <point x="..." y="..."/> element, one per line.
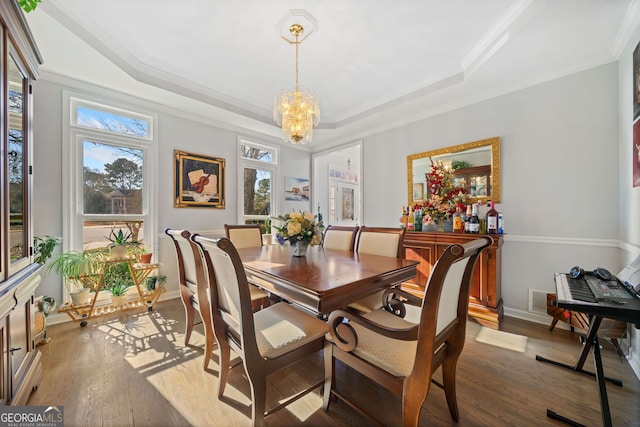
<point x="198" y="181"/>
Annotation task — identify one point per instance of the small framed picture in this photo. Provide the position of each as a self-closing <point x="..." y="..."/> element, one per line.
<point x="297" y="189"/>
<point x="198" y="181"/>
<point x="347" y="204"/>
<point x="418" y="191"/>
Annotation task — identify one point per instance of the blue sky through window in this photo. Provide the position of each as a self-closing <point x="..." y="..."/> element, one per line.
<point x="96" y="155"/>
<point x="111" y="122"/>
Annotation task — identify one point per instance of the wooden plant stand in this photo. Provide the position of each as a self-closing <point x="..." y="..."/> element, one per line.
<point x="94" y="308"/>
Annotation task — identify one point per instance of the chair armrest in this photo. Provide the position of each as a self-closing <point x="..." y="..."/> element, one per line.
<point x="346" y="338"/>
<point x="394" y="299"/>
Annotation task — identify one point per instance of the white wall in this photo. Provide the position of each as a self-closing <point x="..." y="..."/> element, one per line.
<point x="566" y="177"/>
<point x="558" y="165"/>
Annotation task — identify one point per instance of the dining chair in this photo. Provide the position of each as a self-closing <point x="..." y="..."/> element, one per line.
<point x="267" y="341"/>
<point x="401" y="355"/>
<point x="244" y="235"/>
<point x="248" y="236"/>
<point x="383" y="241"/>
<point x="194" y="291"/>
<point x="340" y="237"/>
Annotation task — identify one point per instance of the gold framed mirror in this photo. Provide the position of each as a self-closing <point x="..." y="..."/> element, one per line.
<point x="476" y="165"/>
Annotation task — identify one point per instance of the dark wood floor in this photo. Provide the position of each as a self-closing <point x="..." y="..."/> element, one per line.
<point x="132" y="369"/>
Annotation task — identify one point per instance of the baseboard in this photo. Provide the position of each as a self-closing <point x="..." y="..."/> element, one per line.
<point x="543" y="319"/>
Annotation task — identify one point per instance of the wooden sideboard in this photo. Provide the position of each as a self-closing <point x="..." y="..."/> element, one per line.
<point x="485" y="302"/>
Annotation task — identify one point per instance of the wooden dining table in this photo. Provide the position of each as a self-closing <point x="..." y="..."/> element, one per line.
<point x="324" y="279"/>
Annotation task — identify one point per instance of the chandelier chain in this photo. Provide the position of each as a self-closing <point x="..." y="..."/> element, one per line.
<point x="297" y="45"/>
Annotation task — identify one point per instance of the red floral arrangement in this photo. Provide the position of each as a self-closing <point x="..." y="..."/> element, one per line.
<point x="442" y="194"/>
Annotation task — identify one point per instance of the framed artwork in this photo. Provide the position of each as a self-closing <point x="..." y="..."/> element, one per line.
<point x="198" y="181"/>
<point x="636" y="153"/>
<point x="636" y="82"/>
<point x="635" y="149"/>
<point x="418" y="191"/>
<point x="347" y="203"/>
<point x="297" y="189"/>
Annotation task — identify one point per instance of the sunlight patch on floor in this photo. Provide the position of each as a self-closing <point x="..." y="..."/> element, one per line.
<point x="306" y="406"/>
<point x="502" y="339"/>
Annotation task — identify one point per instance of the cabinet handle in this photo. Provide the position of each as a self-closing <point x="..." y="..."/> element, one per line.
<point x="14" y="349"/>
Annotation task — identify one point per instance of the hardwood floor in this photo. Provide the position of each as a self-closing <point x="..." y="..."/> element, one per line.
<point x="132" y="369"/>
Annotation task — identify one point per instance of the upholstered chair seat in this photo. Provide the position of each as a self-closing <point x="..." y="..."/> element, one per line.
<point x="266" y="341"/>
<point x="401" y="355"/>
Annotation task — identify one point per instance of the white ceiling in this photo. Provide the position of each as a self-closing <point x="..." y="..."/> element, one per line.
<point x="374" y="63"/>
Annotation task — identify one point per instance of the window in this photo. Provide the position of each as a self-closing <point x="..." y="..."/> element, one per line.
<point x="257" y="172"/>
<point x="110" y="183"/>
<point x="16" y="180"/>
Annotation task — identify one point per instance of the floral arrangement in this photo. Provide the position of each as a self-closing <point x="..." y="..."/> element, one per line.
<point x="444" y="195"/>
<point x="299" y="226"/>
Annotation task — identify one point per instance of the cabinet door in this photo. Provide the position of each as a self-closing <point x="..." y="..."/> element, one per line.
<point x="426" y="255"/>
<point x="19" y="324"/>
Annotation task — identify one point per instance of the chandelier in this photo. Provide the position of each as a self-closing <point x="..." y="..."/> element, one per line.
<point x="297" y="112"/>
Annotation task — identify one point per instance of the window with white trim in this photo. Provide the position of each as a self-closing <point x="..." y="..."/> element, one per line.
<point x="109" y="174"/>
<point x="257" y="172"/>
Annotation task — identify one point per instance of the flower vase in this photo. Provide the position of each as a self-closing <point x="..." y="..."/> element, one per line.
<point x="447" y="226"/>
<point x="299" y="248"/>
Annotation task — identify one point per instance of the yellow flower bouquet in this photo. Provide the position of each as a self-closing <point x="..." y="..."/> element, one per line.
<point x="299" y="226"/>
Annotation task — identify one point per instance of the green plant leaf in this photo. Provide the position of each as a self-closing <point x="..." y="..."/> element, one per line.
<point x="28" y="5"/>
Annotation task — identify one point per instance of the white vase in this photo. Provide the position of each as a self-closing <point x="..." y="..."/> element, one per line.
<point x="118" y="251"/>
<point x="80" y="296"/>
<point x="299" y="248"/>
<point x="118" y="300"/>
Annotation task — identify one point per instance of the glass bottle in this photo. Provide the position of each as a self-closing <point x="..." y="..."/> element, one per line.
<point x="458" y="222"/>
<point x="474" y="221"/>
<point x="492" y="219"/>
<point x="417" y="220"/>
<point x="467" y="218"/>
<point x="410" y="220"/>
<point x="403" y="219"/>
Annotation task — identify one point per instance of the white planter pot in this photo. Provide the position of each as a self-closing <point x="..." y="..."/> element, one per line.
<point x="118" y="252"/>
<point x="80" y="296"/>
<point x="118" y="301"/>
<point x="267" y="239"/>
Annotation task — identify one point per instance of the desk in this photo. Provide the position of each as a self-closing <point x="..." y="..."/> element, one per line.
<point x="325" y="279"/>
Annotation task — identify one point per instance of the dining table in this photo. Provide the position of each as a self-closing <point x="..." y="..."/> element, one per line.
<point x="324" y="279"/>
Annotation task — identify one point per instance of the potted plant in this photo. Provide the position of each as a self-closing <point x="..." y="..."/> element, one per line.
<point x="120" y="242"/>
<point x="152" y="281"/>
<point x="43" y="248"/>
<point x="70" y="265"/>
<point x="267" y="237"/>
<point x="145" y="256"/>
<point x="118" y="291"/>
